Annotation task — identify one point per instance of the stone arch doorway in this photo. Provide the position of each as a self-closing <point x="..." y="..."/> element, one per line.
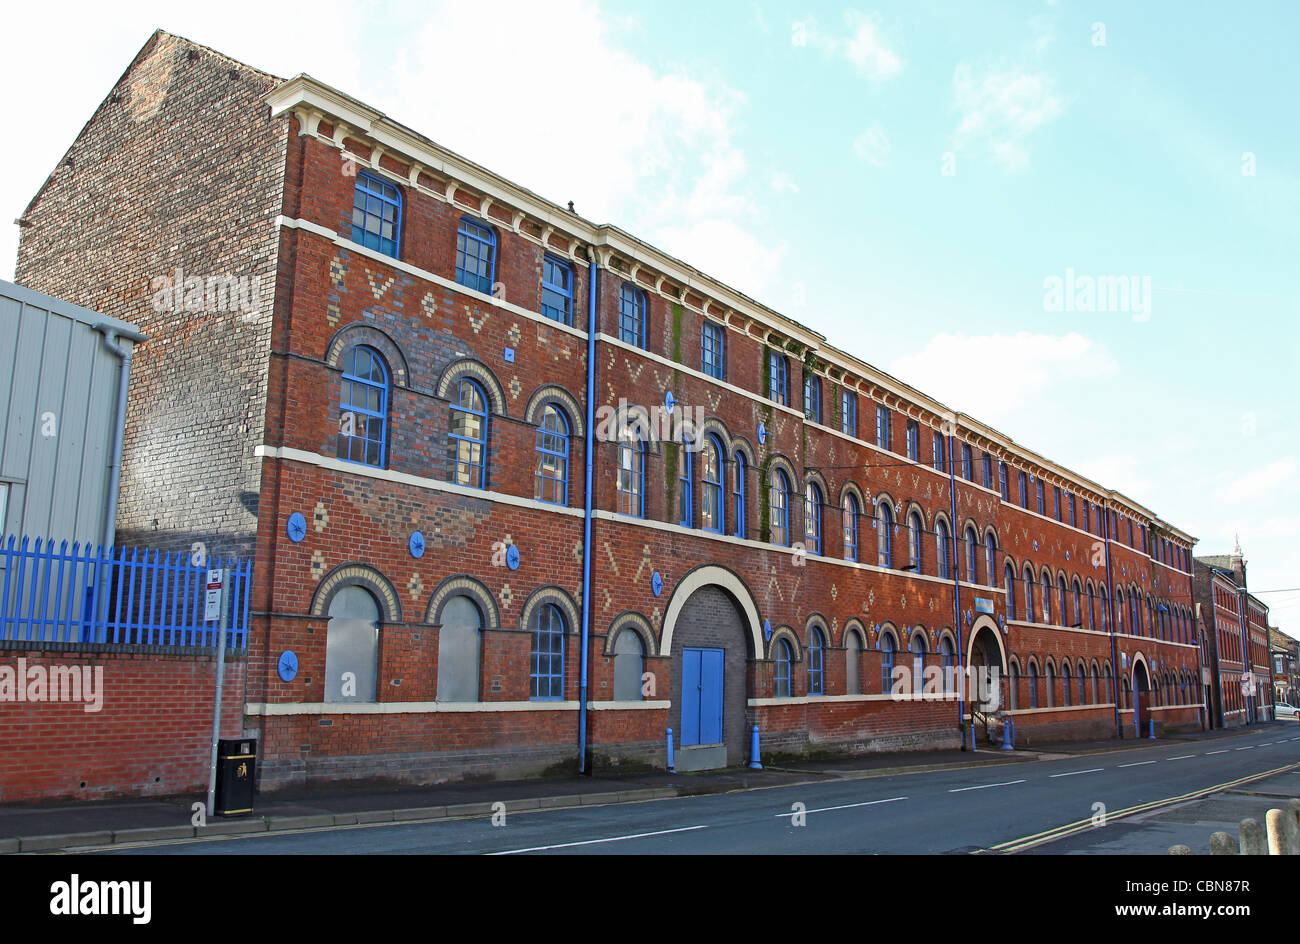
<point x="1141" y="696"/>
<point x="987" y="685"/>
<point x="709" y="634"/>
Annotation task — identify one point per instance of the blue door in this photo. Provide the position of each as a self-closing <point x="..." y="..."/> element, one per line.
<point x="701" y="696"/>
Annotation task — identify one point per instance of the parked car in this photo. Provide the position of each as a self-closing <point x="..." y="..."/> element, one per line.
<point x="1284" y="712"/>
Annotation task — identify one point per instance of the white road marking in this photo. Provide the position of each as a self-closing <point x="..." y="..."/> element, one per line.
<point x="1251" y="748"/>
<point x="1141" y="763"/>
<point x="1224" y="751"/>
<point x="985" y="786"/>
<point x="1180" y="757"/>
<point x="592" y="842"/>
<point x="1073" y="772"/>
<point x="847" y="806"/>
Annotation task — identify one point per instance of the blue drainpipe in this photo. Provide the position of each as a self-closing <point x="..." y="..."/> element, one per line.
<point x="1110" y="605"/>
<point x="956" y="598"/>
<point x="586" y="514"/>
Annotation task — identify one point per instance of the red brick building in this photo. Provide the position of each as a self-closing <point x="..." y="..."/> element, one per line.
<point x="1235" y="624"/>
<point x="404" y="430"/>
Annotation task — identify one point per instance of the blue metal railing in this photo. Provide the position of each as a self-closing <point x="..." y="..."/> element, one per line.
<point x="51" y="595"/>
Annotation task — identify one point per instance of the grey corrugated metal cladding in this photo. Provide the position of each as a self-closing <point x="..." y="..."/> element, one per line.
<point x="58" y="425"/>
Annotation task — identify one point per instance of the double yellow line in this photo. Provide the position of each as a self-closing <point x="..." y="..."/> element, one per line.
<point x="1084" y="825"/>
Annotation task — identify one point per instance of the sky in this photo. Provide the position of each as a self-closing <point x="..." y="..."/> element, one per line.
<point x="936" y="188"/>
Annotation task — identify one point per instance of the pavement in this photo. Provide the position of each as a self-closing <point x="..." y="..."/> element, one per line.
<point x="51" y="826"/>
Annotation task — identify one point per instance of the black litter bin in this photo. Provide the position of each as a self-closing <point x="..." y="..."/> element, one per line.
<point x="235" y="763"/>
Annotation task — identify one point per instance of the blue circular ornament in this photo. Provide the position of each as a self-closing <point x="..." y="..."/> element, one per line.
<point x="297" y="527"/>
<point x="762" y="434"/>
<point x="656" y="583"/>
<point x="669" y="401"/>
<point x="287" y="665"/>
<point x="416" y="544"/>
<point x="512" y="557"/>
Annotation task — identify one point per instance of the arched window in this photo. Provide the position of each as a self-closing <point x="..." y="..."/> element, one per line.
<point x="1029" y="593"/>
<point x="852" y="663"/>
<point x="1061" y="595"/>
<point x="1047" y="598"/>
<point x="917" y="648"/>
<point x="631" y="474"/>
<point x="1066" y="682"/>
<point x="363" y="407"/>
<point x="990" y="559"/>
<point x="816" y="662"/>
<point x="552" y="476"/>
<point x="886" y="536"/>
<point x="459" y="638"/>
<point x="1013" y="689"/>
<point x="852" y="511"/>
<point x="376" y="214"/>
<point x="629" y="666"/>
<point x="1110" y="684"/>
<point x="739" y="494"/>
<point x="1083" y="696"/>
<point x="812" y="518"/>
<point x="1033" y="685"/>
<point x="685" y="501"/>
<point x="1078" y="607"/>
<point x="941" y="541"/>
<point x="1092" y="601"/>
<point x="972" y="542"/>
<point x="352" y="646"/>
<point x="1105" y="610"/>
<point x="780" y="508"/>
<point x="887" y="647"/>
<point x="468" y="437"/>
<point x="946" y="658"/>
<point x="914" y="529"/>
<point x="547" y="656"/>
<point x="1009" y="579"/>
<point x="632" y="316"/>
<point x="711" y="485"/>
<point x="476" y="251"/>
<point x="1050" y="684"/>
<point x="1096" y="687"/>
<point x="784" y="674"/>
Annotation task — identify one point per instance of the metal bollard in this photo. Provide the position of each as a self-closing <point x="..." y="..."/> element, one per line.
<point x="1252" y="838"/>
<point x="754" y="755"/>
<point x="672" y="767"/>
<point x="1222" y="843"/>
<point x="1151" y="727"/>
<point x="1009" y="734"/>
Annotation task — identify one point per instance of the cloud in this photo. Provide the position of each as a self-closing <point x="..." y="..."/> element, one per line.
<point x="1264" y="481"/>
<point x="1018" y="370"/>
<point x="862" y="46"/>
<point x="784" y="183"/>
<point x="999" y="108"/>
<point x="872" y="146"/>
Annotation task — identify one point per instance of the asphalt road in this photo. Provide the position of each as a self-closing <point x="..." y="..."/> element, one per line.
<point x="953" y="811"/>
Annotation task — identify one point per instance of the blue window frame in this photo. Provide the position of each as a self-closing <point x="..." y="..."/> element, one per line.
<point x="632" y="315"/>
<point x="1003" y="487"/>
<point x="363" y="408"/>
<point x="1009" y="581"/>
<point x="938" y="452"/>
<point x="972" y="542"/>
<point x="882" y="426"/>
<point x="812" y="398"/>
<point x="1024" y="490"/>
<point x="941" y="539"/>
<point x="780" y="509"/>
<point x="852" y="513"/>
<point x="739" y="494"/>
<point x="557" y="290"/>
<point x="967" y="463"/>
<point x="782" y="677"/>
<point x="913" y="441"/>
<point x="376" y="214"/>
<point x="1033" y="685"/>
<point x="1029" y="593"/>
<point x="552" y="473"/>
<point x="711" y="486"/>
<point x="886" y="536"/>
<point x="1047" y="598"/>
<point x="468" y="436"/>
<point x="631" y="474"/>
<point x="1072" y="510"/>
<point x="812" y="518"/>
<point x="711" y="349"/>
<point x="887" y="647"/>
<point x="778" y="381"/>
<point x="848" y="413"/>
<point x="990" y="559"/>
<point x="1087" y="522"/>
<point x="816" y="662"/>
<point x="914" y="530"/>
<point x="1038" y="495"/>
<point x="547" y="656"/>
<point x="988" y="470"/>
<point x="685" y="498"/>
<point x="1056" y="502"/>
<point x="476" y="255"/>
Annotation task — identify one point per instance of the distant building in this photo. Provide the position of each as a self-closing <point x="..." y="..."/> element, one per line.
<point x="1235" y="627"/>
<point x="64" y="370"/>
<point x="1286" y="665"/>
